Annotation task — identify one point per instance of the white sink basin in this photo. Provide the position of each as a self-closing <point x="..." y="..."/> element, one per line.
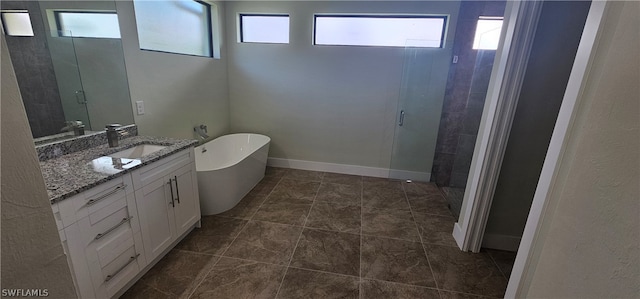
<point x="138" y="151"/>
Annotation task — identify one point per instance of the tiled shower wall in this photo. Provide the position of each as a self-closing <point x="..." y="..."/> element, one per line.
<point x="464" y="97"/>
<point x="34" y="71"/>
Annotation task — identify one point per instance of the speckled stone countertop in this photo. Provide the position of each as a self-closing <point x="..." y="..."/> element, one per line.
<point x="73" y="173"/>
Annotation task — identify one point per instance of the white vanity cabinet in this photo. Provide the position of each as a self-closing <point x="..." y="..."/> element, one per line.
<point x="103" y="240"/>
<point x="167" y="199"/>
<point x="116" y="231"/>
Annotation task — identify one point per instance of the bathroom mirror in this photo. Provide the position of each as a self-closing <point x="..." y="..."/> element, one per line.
<point x="71" y="69"/>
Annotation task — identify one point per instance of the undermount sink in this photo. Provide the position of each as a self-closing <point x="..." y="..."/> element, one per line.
<point x="137" y="151"/>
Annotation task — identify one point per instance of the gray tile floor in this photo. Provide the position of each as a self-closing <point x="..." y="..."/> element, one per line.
<point x="305" y="234"/>
<point x="454" y="197"/>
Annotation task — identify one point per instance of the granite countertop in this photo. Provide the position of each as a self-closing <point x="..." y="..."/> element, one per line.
<point x="73" y="173"/>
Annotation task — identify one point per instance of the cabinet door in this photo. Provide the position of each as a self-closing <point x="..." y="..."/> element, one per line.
<point x="157" y="222"/>
<point x="78" y="263"/>
<point x="187" y="207"/>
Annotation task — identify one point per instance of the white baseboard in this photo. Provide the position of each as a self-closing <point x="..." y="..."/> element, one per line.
<point x="458" y="235"/>
<point x="409" y="175"/>
<point x="349" y="169"/>
<point x="501" y="242"/>
<point x="329" y="167"/>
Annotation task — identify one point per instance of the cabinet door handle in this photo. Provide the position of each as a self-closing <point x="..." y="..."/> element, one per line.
<point x="101" y="197"/>
<point x="131" y="259"/>
<point x="401" y="123"/>
<point x="172" y="203"/>
<point x="175" y="179"/>
<point x="124" y="220"/>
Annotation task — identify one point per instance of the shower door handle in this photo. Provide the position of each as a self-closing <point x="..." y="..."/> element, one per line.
<point x="80" y="98"/>
<point x="401" y="118"/>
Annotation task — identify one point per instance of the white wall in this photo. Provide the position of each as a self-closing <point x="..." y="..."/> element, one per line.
<point x="32" y="255"/>
<point x="179" y="91"/>
<point x="588" y="245"/>
<point x="327" y="103"/>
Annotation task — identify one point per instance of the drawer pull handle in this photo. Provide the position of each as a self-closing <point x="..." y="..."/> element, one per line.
<point x="97" y="199"/>
<point x="131" y="259"/>
<point x="124" y="220"/>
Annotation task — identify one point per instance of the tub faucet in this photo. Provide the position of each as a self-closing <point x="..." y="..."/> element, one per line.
<point x="201" y="130"/>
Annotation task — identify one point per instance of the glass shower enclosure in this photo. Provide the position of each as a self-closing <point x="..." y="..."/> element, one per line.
<point x="424" y="79"/>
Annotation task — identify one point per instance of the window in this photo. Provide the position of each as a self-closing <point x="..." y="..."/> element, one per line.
<point x="182" y="27"/>
<point x="487" y="33"/>
<point x="264" y="28"/>
<point x="385" y="31"/>
<point x="96" y="24"/>
<point x="17" y="23"/>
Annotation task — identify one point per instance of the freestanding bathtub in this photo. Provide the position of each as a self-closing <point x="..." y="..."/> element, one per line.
<point x="228" y="167"/>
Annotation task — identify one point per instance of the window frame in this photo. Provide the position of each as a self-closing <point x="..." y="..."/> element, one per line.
<point x="58" y="22"/>
<point x="241" y="31"/>
<point x="15" y="11"/>
<point x="487" y="18"/>
<point x="445" y="26"/>
<point x="213" y="52"/>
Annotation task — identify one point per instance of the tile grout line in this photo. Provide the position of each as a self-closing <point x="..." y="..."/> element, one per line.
<point x="324" y="272"/>
<point x="465" y="293"/>
<point x="219" y="259"/>
<point x="311" y="228"/>
<point x="405" y="284"/>
<point x="200" y="277"/>
<point x="266" y="198"/>
<point x="229" y="246"/>
<point x="348" y="276"/>
<point x="420" y="236"/>
<point x="293" y="252"/>
<point x="250" y="217"/>
<point x="159" y="290"/>
<point x="497" y="266"/>
<point x="404" y="240"/>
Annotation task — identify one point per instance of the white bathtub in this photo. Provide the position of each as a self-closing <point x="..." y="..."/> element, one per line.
<point x="228" y="169"/>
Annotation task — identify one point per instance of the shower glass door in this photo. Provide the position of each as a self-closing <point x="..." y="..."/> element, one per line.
<point x="421" y="95"/>
<point x="65" y="64"/>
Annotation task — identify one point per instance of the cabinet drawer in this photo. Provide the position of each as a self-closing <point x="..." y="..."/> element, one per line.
<point x="159" y="169"/>
<point x="108" y="222"/>
<point x="115" y="255"/>
<point x="110" y="249"/>
<point x="119" y="272"/>
<point x="93" y="200"/>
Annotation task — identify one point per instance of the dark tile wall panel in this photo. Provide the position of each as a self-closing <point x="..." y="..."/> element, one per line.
<point x="34" y="70"/>
<point x="467" y="85"/>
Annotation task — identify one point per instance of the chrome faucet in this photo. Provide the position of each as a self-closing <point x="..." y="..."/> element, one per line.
<point x="73" y="125"/>
<point x="113" y="134"/>
<point x="201" y="130"/>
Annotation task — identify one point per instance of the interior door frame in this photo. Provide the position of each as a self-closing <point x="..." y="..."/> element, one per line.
<point x="525" y="259"/>
<point x="496" y="124"/>
<point x="520" y="22"/>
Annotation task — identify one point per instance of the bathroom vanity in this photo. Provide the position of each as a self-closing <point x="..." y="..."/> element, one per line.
<point x="120" y="210"/>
